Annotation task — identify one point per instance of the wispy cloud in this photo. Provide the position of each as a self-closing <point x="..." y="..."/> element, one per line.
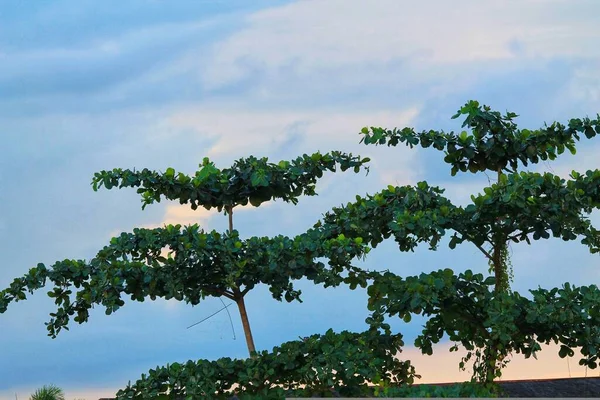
<point x="241" y="130"/>
<point x="309" y="36"/>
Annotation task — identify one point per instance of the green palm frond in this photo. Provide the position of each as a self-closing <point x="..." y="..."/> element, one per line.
<point x="48" y="392"/>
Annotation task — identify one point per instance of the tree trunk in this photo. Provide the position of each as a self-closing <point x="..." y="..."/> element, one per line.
<point x="230" y="215"/>
<point x="500" y="272"/>
<point x="492" y="356"/>
<point x="245" y="323"/>
<point x="499" y="268"/>
<point x="239" y="300"/>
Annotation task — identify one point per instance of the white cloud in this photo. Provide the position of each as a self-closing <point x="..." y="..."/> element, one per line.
<point x="184" y="215"/>
<point x="460" y="192"/>
<point x="240" y="131"/>
<point x="313" y="35"/>
<point x="585" y="85"/>
<point x="585" y="159"/>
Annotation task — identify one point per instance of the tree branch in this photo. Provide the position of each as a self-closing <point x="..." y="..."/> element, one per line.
<point x="487" y="254"/>
<point x="224" y="293"/>
<point x="517" y="235"/>
<point x="466" y="237"/>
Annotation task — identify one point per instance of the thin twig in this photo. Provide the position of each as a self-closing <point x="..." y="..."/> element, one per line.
<point x="488" y="255"/>
<point x="230" y="320"/>
<point x="211" y="315"/>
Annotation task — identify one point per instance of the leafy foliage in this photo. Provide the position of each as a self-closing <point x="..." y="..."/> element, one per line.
<point x="466" y="389"/>
<point x="495" y="143"/>
<point x="520" y="206"/>
<point x="204" y="264"/>
<point x="489" y="324"/>
<point x="344" y="362"/>
<point x="249" y="180"/>
<point x="544" y="203"/>
<point x="411" y="214"/>
<point x="479" y="313"/>
<point x="197" y="264"/>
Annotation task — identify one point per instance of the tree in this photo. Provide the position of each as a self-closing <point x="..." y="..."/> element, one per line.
<point x="480" y="313"/>
<point x="346" y="363"/>
<point x="188" y="263"/>
<point x="521" y="206"/>
<point x="48" y="392"/>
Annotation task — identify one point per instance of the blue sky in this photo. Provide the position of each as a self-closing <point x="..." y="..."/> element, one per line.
<point x="88" y="85"/>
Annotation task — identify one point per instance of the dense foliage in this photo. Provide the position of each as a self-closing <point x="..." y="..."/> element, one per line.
<point x="520" y="206"/>
<point x="481" y="314"/>
<point x="544" y="203"/>
<point x="346" y="363"/>
<point x="489" y="324"/>
<point x="196" y="264"/>
<point x="466" y="389"/>
<point x="249" y="180"/>
<point x="495" y="143"/>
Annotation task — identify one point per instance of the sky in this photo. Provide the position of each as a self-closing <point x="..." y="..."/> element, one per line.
<point x="88" y="85"/>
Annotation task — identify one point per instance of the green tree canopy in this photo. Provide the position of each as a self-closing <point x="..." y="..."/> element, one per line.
<point x="189" y="263"/>
<point x="197" y="264"/>
<point x="520" y="206"/>
<point x="249" y="180"/>
<point x="494" y="143"/>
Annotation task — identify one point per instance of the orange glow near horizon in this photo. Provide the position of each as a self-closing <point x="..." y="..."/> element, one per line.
<point x="442" y="366"/>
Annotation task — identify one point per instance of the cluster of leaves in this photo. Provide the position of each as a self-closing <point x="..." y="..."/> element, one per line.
<point x="529" y="203"/>
<point x="411" y="214"/>
<point x="248" y="180"/>
<point x="489" y="324"/>
<point x="544" y="203"/>
<point x="345" y="362"/>
<point x="185" y="264"/>
<point x="459" y="390"/>
<point x="495" y="143"/>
